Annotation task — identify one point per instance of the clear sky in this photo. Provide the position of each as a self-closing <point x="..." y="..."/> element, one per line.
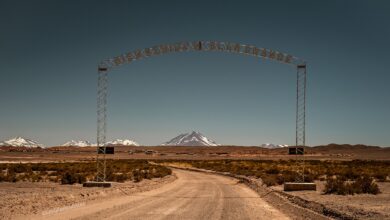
<point x="49" y="51"/>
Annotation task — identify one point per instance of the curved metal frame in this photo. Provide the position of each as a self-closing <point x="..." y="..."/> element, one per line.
<point x="250" y="50"/>
<point x="201" y="46"/>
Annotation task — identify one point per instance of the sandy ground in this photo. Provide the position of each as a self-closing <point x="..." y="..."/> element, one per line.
<point x="360" y="206"/>
<point x="193" y="195"/>
<point x="20" y="200"/>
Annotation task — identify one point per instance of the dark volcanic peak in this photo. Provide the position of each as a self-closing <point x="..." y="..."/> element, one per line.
<point x="190" y="139"/>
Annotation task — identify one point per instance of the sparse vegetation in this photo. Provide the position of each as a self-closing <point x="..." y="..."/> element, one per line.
<point x="71" y="173"/>
<point x="72" y="178"/>
<point x="363" y="184"/>
<point x="343" y="177"/>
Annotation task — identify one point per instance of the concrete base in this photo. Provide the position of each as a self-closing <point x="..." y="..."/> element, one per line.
<point x="96" y="184"/>
<point x="299" y="186"/>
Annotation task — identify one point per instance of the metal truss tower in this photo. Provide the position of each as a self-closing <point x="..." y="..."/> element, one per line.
<point x="101" y="123"/>
<point x="300" y="132"/>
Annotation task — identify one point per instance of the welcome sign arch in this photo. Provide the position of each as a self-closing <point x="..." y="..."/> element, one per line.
<point x="230" y="47"/>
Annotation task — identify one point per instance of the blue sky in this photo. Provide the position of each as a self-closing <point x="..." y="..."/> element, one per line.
<point x="49" y="51"/>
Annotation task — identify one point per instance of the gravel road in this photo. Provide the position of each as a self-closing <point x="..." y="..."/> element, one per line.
<point x="193" y="195"/>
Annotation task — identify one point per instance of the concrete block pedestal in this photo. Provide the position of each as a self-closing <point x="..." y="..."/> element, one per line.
<point x="96" y="184"/>
<point x="299" y="186"/>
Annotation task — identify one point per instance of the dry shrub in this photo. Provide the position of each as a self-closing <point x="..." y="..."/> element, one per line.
<point x="272" y="180"/>
<point x="289" y="176"/>
<point x="338" y="186"/>
<point x="381" y="176"/>
<point x="137" y="175"/>
<point x="365" y="184"/>
<point x="269" y="180"/>
<point x="277" y="172"/>
<point x="72" y="178"/>
<point x="335" y="186"/>
<point x="79" y="172"/>
<point x="272" y="170"/>
<point x="121" y="177"/>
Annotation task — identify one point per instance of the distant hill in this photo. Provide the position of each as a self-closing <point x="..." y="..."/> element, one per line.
<point x="344" y="147"/>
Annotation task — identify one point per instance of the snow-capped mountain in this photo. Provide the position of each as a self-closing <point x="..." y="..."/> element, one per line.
<point x="117" y="142"/>
<point x="77" y="143"/>
<point x="272" y="146"/>
<point x="21" y="142"/>
<point x="190" y="139"/>
<point x="125" y="142"/>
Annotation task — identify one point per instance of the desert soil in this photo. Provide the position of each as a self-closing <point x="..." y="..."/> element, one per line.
<point x="20" y="200"/>
<point x="358" y="206"/>
<point x="193" y="195"/>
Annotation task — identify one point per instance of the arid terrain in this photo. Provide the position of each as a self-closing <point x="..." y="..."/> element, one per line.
<point x="23" y="200"/>
<point x="355" y="206"/>
<point x="328" y="152"/>
<point x="192" y="195"/>
<point x="362" y="206"/>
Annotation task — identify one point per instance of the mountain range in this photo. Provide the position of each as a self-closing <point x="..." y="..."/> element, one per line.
<point x="188" y="139"/>
<point x="117" y="142"/>
<point x="25" y="142"/>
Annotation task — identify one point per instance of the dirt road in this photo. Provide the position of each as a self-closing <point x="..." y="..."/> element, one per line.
<point x="193" y="195"/>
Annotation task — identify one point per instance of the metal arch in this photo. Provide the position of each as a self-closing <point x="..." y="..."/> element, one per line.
<point x="230" y="47"/>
